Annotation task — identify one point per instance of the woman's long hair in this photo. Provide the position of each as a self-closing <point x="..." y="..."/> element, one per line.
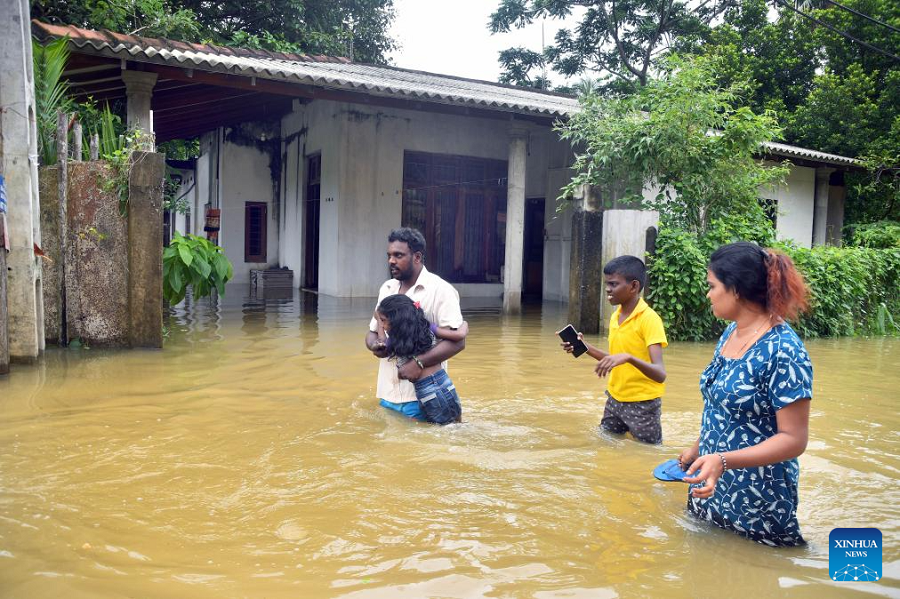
<point x="765" y="277"/>
<point x="410" y="332"/>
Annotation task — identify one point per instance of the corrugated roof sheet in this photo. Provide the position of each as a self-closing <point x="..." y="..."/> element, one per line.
<point x="342" y="74"/>
<point x="780" y="149"/>
<point x="319" y="71"/>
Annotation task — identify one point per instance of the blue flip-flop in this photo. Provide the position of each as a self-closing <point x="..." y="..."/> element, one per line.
<point x="670" y="470"/>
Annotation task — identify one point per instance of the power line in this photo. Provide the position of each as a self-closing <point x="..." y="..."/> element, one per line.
<point x="838" y="31"/>
<point x="865" y="16"/>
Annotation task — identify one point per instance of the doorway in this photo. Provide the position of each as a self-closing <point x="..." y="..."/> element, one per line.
<point x="311" y="221"/>
<point x="533" y="254"/>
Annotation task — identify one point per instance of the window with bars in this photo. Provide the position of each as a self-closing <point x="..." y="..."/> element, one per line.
<point x="255" y="231"/>
<point x="459" y="204"/>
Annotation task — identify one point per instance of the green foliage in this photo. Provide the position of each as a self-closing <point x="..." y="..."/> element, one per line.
<point x="111" y="133"/>
<point x="357" y="28"/>
<point x="683" y="133"/>
<point x="853" y="290"/>
<point x="839" y="113"/>
<point x="171" y="201"/>
<point x="621" y="42"/>
<point x="192" y="260"/>
<point x="677" y="274"/>
<point x="830" y="93"/>
<point x="180" y="149"/>
<point x="880" y="235"/>
<point x="49" y="93"/>
<point x="778" y="58"/>
<point x="121" y="161"/>
<point x="875" y="194"/>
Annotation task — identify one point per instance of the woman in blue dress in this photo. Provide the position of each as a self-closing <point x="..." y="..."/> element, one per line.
<point x="756" y="394"/>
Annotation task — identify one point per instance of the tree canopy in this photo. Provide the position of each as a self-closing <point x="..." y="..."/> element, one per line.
<point x="354" y="28"/>
<point x="682" y="133"/>
<point x="620" y="43"/>
<point x="829" y="92"/>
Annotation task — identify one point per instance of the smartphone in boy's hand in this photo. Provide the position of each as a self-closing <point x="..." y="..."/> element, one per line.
<point x="570" y="336"/>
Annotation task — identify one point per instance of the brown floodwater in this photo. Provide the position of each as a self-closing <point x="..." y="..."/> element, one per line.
<point x="249" y="458"/>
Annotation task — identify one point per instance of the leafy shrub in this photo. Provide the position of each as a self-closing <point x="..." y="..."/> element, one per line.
<point x="192" y="260"/>
<point x="853" y="290"/>
<point x="883" y="234"/>
<point x="678" y="274"/>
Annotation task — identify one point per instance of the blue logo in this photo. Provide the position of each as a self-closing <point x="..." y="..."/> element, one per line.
<point x="854" y="554"/>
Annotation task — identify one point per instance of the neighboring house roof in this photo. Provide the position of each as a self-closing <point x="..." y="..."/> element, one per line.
<point x="328" y="72"/>
<point x="342" y="74"/>
<point x="778" y="149"/>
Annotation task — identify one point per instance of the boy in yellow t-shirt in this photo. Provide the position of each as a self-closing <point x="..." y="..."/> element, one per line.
<point x="634" y="362"/>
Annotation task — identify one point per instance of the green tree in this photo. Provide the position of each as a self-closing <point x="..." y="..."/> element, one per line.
<point x="829" y="92"/>
<point x="357" y="28"/>
<point x="777" y="59"/>
<point x="685" y="134"/>
<point x="49" y="93"/>
<point x="619" y="42"/>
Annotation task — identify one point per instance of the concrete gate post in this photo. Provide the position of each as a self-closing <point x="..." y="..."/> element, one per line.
<point x="145" y="238"/>
<point x="586" y="266"/>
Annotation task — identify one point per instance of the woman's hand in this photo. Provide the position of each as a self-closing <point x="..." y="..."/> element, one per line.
<point x="688" y="456"/>
<point x="707" y="468"/>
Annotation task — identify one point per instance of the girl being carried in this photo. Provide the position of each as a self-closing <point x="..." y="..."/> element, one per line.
<point x="406" y="333"/>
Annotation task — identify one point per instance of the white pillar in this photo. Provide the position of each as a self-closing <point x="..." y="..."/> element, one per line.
<point x="18" y="164"/>
<point x="139" y="89"/>
<point x="515" y="221"/>
<point x="820" y="209"/>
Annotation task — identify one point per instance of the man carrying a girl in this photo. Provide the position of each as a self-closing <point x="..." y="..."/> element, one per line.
<point x="415" y="378"/>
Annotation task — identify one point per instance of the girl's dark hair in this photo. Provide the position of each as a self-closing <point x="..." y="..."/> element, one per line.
<point x="410" y="331"/>
<point x="765" y="277"/>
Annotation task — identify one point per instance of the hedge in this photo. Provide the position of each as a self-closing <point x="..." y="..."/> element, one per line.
<point x="854" y="290"/>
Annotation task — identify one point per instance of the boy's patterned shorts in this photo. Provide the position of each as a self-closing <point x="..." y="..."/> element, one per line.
<point x="641" y="418"/>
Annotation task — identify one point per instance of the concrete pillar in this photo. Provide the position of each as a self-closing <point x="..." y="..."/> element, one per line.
<point x="586" y="265"/>
<point x="18" y="164"/>
<point x="515" y="221"/>
<point x="820" y="209"/>
<point x="145" y="237"/>
<point x="139" y="89"/>
<point x="837" y="194"/>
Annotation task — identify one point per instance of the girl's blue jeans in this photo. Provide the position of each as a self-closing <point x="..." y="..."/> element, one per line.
<point x="438" y="398"/>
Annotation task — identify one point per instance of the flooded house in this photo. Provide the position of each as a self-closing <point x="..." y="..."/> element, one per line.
<point x="307" y="162"/>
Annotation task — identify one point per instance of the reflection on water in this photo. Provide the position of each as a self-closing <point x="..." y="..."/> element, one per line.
<point x="250" y="458"/>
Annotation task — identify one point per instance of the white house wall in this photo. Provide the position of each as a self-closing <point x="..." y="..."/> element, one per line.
<point x="290" y="234"/>
<point x="246" y="178"/>
<point x="796" y="201"/>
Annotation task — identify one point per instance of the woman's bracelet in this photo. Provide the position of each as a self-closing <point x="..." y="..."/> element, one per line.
<point x="418" y="362"/>
<point x="724" y="462"/>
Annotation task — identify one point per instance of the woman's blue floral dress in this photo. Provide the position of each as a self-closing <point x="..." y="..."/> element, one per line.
<point x="740" y="399"/>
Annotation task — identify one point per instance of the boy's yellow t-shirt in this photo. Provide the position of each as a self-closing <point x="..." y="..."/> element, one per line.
<point x="641" y="329"/>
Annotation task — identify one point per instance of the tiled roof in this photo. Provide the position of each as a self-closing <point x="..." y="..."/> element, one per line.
<point x="318" y="71"/>
<point x="342" y="74"/>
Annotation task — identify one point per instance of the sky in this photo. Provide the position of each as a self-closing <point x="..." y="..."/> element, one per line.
<point x="452" y="38"/>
